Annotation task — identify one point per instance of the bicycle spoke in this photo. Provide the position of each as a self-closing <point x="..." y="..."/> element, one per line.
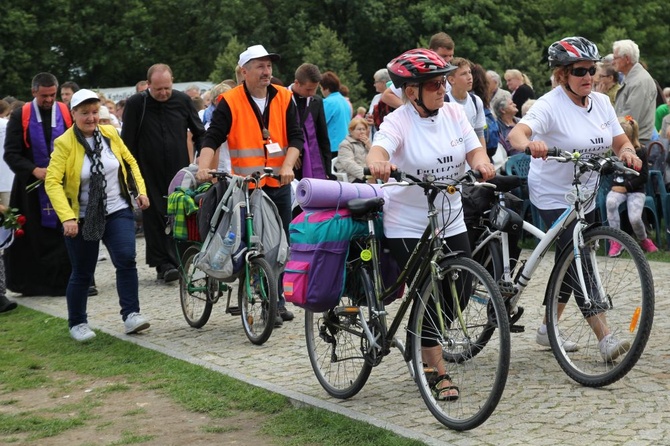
<point x="620" y="304"/>
<point x="479" y="373"/>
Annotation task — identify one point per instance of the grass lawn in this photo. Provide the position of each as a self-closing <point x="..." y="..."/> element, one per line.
<point x="54" y="391"/>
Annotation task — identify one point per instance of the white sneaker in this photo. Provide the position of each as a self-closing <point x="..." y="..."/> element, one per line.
<point x="543" y="340"/>
<point x="135" y="323"/>
<point x="82" y="333"/>
<point x="611" y="347"/>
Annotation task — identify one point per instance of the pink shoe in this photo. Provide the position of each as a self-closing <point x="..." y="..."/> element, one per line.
<point x="615" y="249"/>
<point x="648" y="245"/>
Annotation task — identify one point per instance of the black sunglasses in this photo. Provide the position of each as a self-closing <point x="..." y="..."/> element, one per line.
<point x="435" y="85"/>
<point x="581" y="71"/>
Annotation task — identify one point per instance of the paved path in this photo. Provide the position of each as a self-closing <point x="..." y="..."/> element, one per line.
<point x="540" y="406"/>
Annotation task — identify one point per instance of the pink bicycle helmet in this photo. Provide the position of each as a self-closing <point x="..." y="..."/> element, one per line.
<point x="416" y="66"/>
<point x="572" y="49"/>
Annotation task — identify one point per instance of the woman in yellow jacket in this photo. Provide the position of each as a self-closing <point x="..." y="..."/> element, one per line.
<point x="87" y="183"/>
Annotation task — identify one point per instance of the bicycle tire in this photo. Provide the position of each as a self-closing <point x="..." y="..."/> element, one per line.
<point x="480" y="376"/>
<point x="628" y="308"/>
<point x="259" y="310"/>
<point x="195" y="290"/>
<point x="336" y="341"/>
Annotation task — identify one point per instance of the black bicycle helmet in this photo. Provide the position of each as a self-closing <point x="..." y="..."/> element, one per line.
<point x="416" y="66"/>
<point x="572" y="49"/>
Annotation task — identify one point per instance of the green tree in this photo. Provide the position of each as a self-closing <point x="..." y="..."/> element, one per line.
<point x="226" y="62"/>
<point x="329" y="53"/>
<point x="99" y="44"/>
<point x="529" y="61"/>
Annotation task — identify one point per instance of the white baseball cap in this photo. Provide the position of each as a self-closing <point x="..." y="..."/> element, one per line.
<point x="256" y="52"/>
<point x="82" y="96"/>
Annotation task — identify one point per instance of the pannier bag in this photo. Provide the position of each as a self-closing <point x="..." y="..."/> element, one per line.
<point x="315" y="275"/>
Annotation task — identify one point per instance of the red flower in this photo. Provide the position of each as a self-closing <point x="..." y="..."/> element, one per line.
<point x="12" y="219"/>
<point x="19" y="233"/>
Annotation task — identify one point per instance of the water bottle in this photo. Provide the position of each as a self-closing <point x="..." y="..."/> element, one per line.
<point x="226" y="250"/>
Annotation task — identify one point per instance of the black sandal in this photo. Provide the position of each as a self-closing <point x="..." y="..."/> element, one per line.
<point x="440" y="393"/>
<point x="431" y="375"/>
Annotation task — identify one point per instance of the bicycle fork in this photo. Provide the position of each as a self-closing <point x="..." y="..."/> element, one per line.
<point x="437" y="277"/>
<point x="577" y="246"/>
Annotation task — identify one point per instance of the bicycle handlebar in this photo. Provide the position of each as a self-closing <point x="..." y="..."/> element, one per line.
<point x="256" y="176"/>
<point x="429" y="180"/>
<point x="603" y="164"/>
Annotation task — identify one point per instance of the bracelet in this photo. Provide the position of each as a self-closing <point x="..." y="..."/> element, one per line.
<point x="627" y="149"/>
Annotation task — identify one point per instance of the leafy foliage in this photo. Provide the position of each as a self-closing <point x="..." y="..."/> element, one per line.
<point x="330" y="54"/>
<point x="101" y="44"/>
<point x="226" y="62"/>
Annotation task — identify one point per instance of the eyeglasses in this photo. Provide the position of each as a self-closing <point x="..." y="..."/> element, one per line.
<point x="435" y="85"/>
<point x="581" y="71"/>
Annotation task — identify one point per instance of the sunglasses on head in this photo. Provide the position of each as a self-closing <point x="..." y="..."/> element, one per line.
<point x="581" y="71"/>
<point x="435" y="85"/>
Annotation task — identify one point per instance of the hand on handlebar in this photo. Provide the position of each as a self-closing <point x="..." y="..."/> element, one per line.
<point x="381" y="170"/>
<point x="631" y="160"/>
<point x="203" y="175"/>
<point x="538" y="149"/>
<point x="487" y="170"/>
<point x="286" y="175"/>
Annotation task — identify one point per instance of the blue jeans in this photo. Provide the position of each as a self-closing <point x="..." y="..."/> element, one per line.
<point x="119" y="238"/>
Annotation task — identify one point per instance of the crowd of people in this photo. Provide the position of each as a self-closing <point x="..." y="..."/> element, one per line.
<point x="82" y="169"/>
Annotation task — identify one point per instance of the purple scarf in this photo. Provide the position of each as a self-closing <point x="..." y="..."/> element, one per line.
<point x="42" y="154"/>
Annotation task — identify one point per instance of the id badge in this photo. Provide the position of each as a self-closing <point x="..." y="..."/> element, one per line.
<point x="273" y="147"/>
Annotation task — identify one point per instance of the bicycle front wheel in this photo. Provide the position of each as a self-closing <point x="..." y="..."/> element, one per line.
<point x="619" y="309"/>
<point x="257" y="298"/>
<point x="480" y="375"/>
<point x="336" y="343"/>
<point x="491" y="258"/>
<point x="195" y="290"/>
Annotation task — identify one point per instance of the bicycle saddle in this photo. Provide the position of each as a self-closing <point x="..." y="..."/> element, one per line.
<point x="362" y="206"/>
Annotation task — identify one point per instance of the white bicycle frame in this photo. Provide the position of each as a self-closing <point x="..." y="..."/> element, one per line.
<point x="574" y="212"/>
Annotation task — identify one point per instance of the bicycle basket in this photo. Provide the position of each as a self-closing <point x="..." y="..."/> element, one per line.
<point x="506" y="220"/>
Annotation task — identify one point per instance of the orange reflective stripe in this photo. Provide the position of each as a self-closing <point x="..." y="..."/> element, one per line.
<point x="67" y="116"/>
<point x="25" y="121"/>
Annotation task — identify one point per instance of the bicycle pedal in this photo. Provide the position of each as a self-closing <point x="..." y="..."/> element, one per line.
<point x="517" y="328"/>
<point x="516" y="316"/>
<point x="234" y="311"/>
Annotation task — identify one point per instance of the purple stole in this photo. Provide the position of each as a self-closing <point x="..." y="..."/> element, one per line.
<point x="312" y="164"/>
<point x="42" y="154"/>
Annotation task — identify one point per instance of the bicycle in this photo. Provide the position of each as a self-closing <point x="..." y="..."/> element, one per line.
<point x="346" y="342"/>
<point x="258" y="284"/>
<point x="614" y="294"/>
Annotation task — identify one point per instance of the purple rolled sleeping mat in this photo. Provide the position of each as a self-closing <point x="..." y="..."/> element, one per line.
<point x="312" y="193"/>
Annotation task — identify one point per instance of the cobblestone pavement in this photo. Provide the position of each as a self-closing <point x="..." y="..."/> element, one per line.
<point x="540" y="406"/>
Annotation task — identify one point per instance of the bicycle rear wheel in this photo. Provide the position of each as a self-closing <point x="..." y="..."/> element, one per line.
<point x="621" y="290"/>
<point x="480" y="375"/>
<point x="195" y="290"/>
<point x="336" y="342"/>
<point x="259" y="307"/>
